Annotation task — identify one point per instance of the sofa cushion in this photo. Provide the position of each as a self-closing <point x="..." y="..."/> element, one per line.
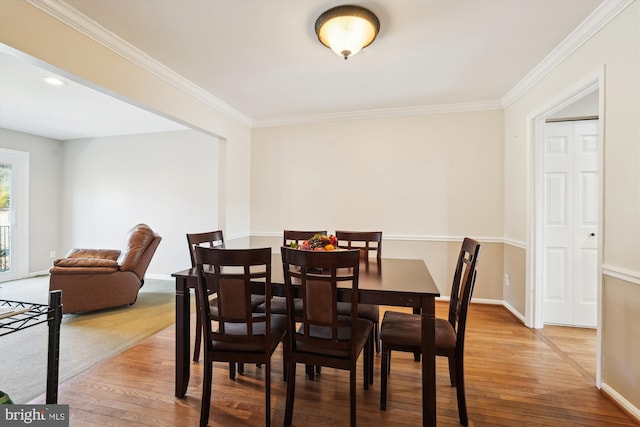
<point x="111" y="254"/>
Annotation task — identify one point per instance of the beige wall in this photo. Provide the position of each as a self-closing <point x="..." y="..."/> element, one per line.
<point x="620" y="316"/>
<point x="615" y="49"/>
<point x="515" y="266"/>
<point x="425" y="181"/>
<point x="437" y="176"/>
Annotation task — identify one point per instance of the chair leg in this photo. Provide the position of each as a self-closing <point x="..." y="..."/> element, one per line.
<point x="352" y="395"/>
<point x="240" y="368"/>
<point x="207" y="378"/>
<point x="198" y="339"/>
<point x="232" y="370"/>
<point x="267" y="393"/>
<point x="285" y="358"/>
<point x="291" y="393"/>
<point x="452" y="371"/>
<point x="309" y="370"/>
<point x="384" y="371"/>
<point x="371" y="356"/>
<point x="376" y="336"/>
<point x="366" y="360"/>
<point x="462" y="401"/>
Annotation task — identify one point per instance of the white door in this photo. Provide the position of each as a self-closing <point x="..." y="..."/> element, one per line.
<point x="14" y="214"/>
<point x="570" y="223"/>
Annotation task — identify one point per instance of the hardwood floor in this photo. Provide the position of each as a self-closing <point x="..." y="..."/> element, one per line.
<point x="515" y="376"/>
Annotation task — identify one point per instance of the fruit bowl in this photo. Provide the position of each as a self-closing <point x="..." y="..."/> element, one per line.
<point x="319" y="242"/>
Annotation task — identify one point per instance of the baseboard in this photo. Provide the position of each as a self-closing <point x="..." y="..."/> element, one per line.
<point x="514" y="312"/>
<point x="623" y="403"/>
<point x="158" y="276"/>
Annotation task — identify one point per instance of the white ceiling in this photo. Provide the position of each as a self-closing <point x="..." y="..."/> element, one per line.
<point x="260" y="60"/>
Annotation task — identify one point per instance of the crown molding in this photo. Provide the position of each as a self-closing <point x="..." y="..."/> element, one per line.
<point x="79" y="22"/>
<point x="90" y="28"/>
<point x="379" y="113"/>
<point x="600" y="17"/>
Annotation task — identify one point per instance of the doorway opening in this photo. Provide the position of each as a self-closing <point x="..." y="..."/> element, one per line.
<point x="545" y="191"/>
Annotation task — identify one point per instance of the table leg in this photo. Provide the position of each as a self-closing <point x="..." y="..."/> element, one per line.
<point x="53" y="354"/>
<point x="182" y="336"/>
<point x="428" y="361"/>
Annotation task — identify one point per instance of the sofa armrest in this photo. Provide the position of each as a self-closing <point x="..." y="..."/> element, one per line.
<point x="109" y="254"/>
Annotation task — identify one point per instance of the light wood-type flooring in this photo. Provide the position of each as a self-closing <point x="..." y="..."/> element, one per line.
<point x="515" y="376"/>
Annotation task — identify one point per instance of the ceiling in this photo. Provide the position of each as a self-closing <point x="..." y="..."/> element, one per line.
<point x="260" y="61"/>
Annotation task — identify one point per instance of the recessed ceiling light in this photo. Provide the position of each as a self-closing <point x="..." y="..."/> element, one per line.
<point x="54" y="81"/>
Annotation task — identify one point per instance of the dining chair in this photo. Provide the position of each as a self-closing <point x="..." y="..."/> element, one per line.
<point x="240" y="335"/>
<point x="368" y="242"/>
<point x="209" y="239"/>
<point x="403" y="331"/>
<point x="279" y="304"/>
<point x="324" y="337"/>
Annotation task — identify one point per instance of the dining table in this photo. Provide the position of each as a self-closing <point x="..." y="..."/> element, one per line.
<point x="389" y="281"/>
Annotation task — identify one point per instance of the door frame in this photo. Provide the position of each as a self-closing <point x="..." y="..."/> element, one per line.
<point x="534" y="299"/>
<point x="20" y="222"/>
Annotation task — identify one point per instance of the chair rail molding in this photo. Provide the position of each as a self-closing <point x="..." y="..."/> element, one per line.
<point x="621" y="273"/>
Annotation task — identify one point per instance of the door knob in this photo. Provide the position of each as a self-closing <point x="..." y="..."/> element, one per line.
<point x="592" y="234"/>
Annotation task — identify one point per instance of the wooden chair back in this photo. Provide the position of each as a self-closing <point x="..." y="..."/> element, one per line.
<point x="314" y="277"/>
<point x="230" y="273"/>
<point x="462" y="288"/>
<point x="210" y="239"/>
<point x="367" y="242"/>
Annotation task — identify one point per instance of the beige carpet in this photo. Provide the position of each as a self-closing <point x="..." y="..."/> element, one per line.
<point x="85" y="339"/>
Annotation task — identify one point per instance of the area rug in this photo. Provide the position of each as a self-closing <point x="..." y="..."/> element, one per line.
<point x="85" y="339"/>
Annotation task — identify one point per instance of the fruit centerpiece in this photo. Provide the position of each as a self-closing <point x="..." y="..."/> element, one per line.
<point x="319" y="242"/>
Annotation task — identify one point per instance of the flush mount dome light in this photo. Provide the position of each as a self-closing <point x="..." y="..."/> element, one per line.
<point x="347" y="29"/>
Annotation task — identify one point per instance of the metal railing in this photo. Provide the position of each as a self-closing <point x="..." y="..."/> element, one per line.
<point x="5" y="248"/>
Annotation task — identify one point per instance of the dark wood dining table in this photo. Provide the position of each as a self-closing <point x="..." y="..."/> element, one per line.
<point x="392" y="282"/>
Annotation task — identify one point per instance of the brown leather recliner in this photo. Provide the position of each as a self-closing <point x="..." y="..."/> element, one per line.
<point x="92" y="279"/>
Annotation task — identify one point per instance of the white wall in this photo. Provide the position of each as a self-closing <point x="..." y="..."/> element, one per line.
<point x="45" y="180"/>
<point x="167" y="180"/>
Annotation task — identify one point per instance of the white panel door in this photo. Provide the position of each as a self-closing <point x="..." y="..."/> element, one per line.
<point x="570" y="223"/>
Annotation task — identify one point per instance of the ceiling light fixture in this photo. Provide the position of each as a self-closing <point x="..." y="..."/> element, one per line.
<point x="347" y="29"/>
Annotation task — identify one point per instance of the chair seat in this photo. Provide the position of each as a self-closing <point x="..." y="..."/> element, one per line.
<point x="278" y="327"/>
<point x="366" y="311"/>
<point x="279" y="305"/>
<point x="405" y="329"/>
<point x="360" y="335"/>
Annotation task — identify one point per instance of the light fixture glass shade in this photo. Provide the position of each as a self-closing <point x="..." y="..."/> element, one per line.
<point x="347" y="29"/>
